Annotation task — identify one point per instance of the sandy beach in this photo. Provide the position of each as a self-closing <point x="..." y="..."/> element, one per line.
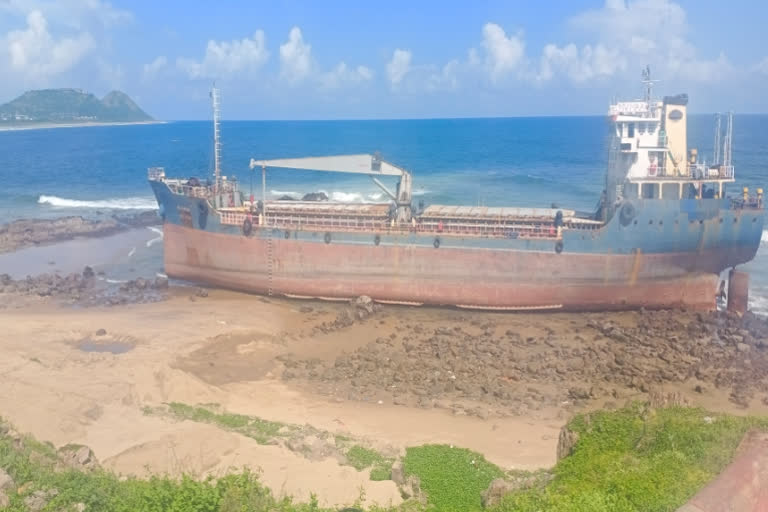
<point x="44" y="126"/>
<point x="391" y="377"/>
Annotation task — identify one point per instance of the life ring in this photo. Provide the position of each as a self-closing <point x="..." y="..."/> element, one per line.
<point x="559" y="246"/>
<point x="436" y="243"/>
<point x="376" y="240"/>
<point x="327" y="238"/>
<point x="247" y="227"/>
<point x="627" y="213"/>
<point x="287" y="234"/>
<point x="440" y="227"/>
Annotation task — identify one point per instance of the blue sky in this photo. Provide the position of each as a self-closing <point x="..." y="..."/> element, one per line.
<point x="398" y="59"/>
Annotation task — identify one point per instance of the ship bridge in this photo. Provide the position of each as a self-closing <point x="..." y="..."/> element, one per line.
<point x="653" y="150"/>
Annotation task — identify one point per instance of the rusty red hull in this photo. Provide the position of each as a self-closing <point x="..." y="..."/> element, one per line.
<point x="465" y="277"/>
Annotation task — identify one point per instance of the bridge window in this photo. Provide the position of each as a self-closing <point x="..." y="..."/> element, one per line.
<point x="630" y="129"/>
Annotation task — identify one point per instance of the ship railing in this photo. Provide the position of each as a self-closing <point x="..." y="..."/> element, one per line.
<point x="199" y="191"/>
<point x="694" y="172"/>
<point x="156" y="173"/>
<point x="545" y="230"/>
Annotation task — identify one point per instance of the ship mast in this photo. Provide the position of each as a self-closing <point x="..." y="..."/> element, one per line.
<point x="716" y="155"/>
<point x="728" y="141"/>
<point x="216" y="142"/>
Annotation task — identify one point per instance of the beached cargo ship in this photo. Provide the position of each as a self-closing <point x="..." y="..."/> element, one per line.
<point x="662" y="234"/>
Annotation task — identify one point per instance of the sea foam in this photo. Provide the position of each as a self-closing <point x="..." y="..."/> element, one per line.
<point x="127" y="203"/>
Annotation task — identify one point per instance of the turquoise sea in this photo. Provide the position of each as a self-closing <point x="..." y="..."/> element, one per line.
<point x="533" y="161"/>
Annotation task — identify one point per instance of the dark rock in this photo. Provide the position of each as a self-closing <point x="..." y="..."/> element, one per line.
<point x="88" y="272"/>
<point x="39" y="499"/>
<point x="101" y="332"/>
<point x="315" y="196"/>
<point x="6" y="482"/>
<point x="566" y="441"/>
<point x="499" y="488"/>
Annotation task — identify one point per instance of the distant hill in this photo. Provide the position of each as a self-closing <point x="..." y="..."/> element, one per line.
<point x="71" y="106"/>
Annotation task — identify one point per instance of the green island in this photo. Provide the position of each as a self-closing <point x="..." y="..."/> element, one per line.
<point x="70" y="106"/>
<point x="632" y="459"/>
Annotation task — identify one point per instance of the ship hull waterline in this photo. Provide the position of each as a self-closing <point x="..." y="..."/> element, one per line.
<point x="463" y="277"/>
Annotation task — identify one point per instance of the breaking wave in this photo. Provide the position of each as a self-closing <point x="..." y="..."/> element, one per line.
<point x="127" y="203"/>
<point x="159" y="238"/>
<point x="285" y="193"/>
<point x="337" y="195"/>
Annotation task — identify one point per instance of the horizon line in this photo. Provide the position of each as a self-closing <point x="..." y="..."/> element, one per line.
<point x="457" y="118"/>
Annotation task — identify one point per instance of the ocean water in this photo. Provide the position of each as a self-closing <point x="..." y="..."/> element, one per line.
<point x="96" y="171"/>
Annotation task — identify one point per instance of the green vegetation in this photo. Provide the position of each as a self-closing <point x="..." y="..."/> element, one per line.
<point x="636" y="459"/>
<point x="71" y="105"/>
<point x="633" y="459"/>
<point x="263" y="431"/>
<point x="360" y="458"/>
<point x="453" y="478"/>
<point x="269" y="432"/>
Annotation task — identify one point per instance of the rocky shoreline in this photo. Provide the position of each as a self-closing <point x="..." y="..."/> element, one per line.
<point x="83" y="289"/>
<point x="32" y="232"/>
<point x="474" y="365"/>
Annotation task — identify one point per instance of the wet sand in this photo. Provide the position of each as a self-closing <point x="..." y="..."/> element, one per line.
<point x="382" y="378"/>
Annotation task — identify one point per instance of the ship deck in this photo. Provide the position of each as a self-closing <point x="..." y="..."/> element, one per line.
<point x="443" y="220"/>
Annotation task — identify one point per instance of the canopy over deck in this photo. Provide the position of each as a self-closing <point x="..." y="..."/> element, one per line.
<point x="357" y="164"/>
<point x="370" y="165"/>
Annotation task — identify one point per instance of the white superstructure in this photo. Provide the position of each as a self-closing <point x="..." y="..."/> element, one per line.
<point x="652" y="139"/>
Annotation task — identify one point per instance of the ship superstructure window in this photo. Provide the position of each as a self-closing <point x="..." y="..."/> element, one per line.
<point x="630" y="129"/>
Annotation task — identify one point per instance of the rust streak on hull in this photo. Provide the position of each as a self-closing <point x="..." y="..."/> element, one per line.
<point x="468" y="277"/>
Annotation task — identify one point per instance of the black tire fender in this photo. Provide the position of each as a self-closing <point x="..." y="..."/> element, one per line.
<point x="327" y="237"/>
<point x="287" y="234"/>
<point x="559" y="246"/>
<point x="247" y="227"/>
<point x="559" y="218"/>
<point x="436" y="243"/>
<point x="627" y="213"/>
<point x="202" y="215"/>
<point x="376" y="240"/>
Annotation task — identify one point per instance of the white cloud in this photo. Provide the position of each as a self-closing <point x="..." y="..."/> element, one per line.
<point x="224" y="59"/>
<point x="36" y="55"/>
<point x="398" y="66"/>
<point x="640" y="32"/>
<point x="446" y="78"/>
<point x="295" y="57"/>
<point x="110" y="74"/>
<point x="761" y="67"/>
<point x="75" y="14"/>
<point x="342" y="75"/>
<point x="503" y="54"/>
<point x="579" y="65"/>
<point x="152" y="69"/>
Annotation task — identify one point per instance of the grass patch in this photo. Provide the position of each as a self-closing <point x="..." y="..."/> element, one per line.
<point x="638" y="460"/>
<point x="453" y="478"/>
<point x="262" y="431"/>
<point x="360" y="458"/>
<point x="33" y="467"/>
<point x="268" y="432"/>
